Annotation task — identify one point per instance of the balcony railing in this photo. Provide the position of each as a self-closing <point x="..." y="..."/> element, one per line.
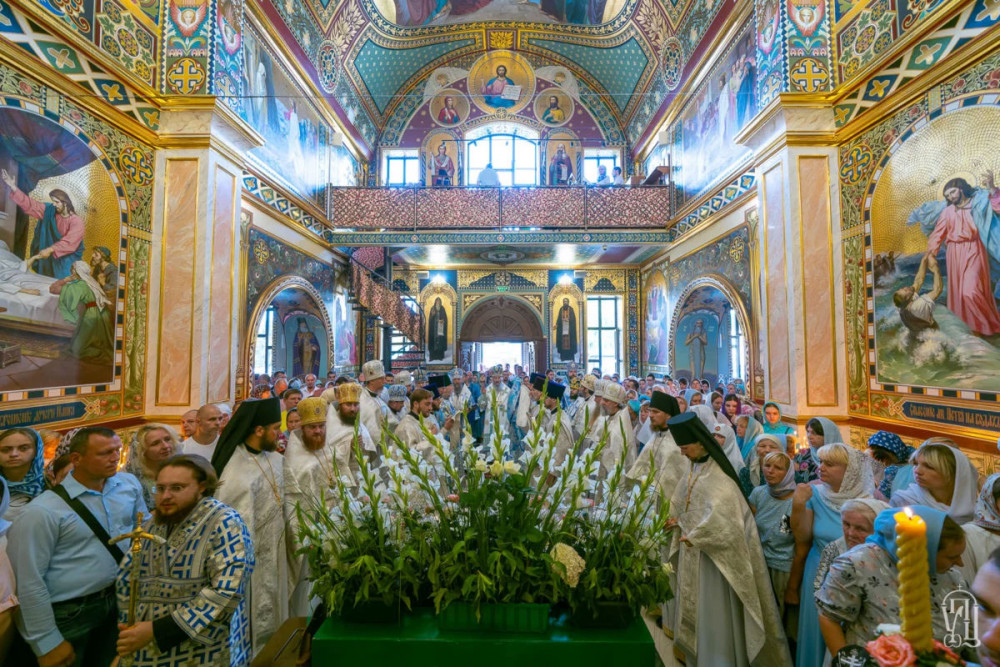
<point x="576" y="207"/>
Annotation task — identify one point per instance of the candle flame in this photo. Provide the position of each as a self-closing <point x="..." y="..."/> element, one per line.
<point x="908" y="511"/>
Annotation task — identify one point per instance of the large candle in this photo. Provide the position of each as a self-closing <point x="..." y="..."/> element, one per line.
<point x="914" y="580"/>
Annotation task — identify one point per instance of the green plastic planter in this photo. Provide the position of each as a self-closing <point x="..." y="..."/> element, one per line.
<point x="371" y="612"/>
<point x="611" y="615"/>
<point x="512" y="617"/>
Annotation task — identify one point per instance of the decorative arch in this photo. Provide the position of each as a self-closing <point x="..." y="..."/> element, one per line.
<point x="267" y="295"/>
<point x="502" y="318"/>
<point x="742" y="315"/>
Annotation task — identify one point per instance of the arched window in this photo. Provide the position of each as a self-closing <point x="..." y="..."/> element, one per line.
<point x="511" y="148"/>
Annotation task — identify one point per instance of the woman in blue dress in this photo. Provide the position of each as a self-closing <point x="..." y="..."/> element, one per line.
<point x="844" y="474"/>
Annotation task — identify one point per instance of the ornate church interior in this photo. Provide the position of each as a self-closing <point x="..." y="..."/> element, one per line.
<point x="211" y="205"/>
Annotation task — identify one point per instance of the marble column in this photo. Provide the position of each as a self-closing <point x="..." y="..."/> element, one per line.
<point x="192" y="347"/>
<point x="801" y="333"/>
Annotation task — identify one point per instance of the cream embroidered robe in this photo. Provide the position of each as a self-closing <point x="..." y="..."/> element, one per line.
<point x="248" y="486"/>
<point x="726" y="611"/>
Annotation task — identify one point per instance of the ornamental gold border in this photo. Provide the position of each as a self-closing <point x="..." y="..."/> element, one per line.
<point x="30" y="67"/>
<point x="60" y="30"/>
<point x="942" y="15"/>
<point x="919" y="86"/>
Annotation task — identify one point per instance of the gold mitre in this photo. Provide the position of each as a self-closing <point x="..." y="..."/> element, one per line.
<point x="349" y="392"/>
<point x="312" y="410"/>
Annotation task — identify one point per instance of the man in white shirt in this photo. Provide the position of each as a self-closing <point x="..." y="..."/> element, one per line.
<point x="206" y="432"/>
<point x="488" y="177"/>
<point x="619" y="179"/>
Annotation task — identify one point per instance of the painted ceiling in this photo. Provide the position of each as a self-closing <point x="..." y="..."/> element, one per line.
<point x="557" y="255"/>
<point x="376" y="66"/>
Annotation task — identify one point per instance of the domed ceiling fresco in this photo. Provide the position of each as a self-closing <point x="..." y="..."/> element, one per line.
<point x="380" y="61"/>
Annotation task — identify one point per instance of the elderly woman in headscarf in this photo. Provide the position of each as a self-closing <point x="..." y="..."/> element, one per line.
<point x="861" y="590"/>
<point x="844" y="474"/>
<point x="982" y="534"/>
<point x="151" y="445"/>
<point x="763" y="444"/>
<point x="22" y="464"/>
<point x="84" y="304"/>
<point x="891" y="455"/>
<point x="771" y="504"/>
<point x="944" y="479"/>
<point x="857" y="519"/>
<point x="819" y="431"/>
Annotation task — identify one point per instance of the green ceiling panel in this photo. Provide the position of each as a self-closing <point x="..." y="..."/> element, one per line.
<point x="384" y="70"/>
<point x="617" y="69"/>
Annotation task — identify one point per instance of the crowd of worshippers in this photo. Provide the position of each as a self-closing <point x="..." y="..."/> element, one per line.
<point x="783" y="550"/>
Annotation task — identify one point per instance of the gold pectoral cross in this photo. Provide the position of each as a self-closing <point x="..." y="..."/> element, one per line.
<point x="137" y="535"/>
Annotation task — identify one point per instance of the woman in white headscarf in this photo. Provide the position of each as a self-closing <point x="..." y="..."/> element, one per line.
<point x="844" y="474"/>
<point x="819" y="431"/>
<point x="83" y="303"/>
<point x="943" y="479"/>
<point x="723" y="433"/>
<point x="982" y="534"/>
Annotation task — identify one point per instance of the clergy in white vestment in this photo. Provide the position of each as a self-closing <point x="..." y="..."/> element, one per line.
<point x="192" y="576"/>
<point x="460" y="399"/>
<point x="618" y="424"/>
<point x="499" y="393"/>
<point x="340" y="423"/>
<point x="526" y="409"/>
<point x="405" y="380"/>
<point x="310" y="474"/>
<point x="445" y="408"/>
<point x="374" y="411"/>
<point x="585" y="413"/>
<point x="397" y="405"/>
<point x="576" y="399"/>
<point x="554" y="417"/>
<point x="600" y="416"/>
<point x="251" y="481"/>
<point x="414" y="438"/>
<point x="661" y="450"/>
<point x="726" y="611"/>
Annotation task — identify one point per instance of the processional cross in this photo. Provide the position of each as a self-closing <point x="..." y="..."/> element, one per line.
<point x="137" y="535"/>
